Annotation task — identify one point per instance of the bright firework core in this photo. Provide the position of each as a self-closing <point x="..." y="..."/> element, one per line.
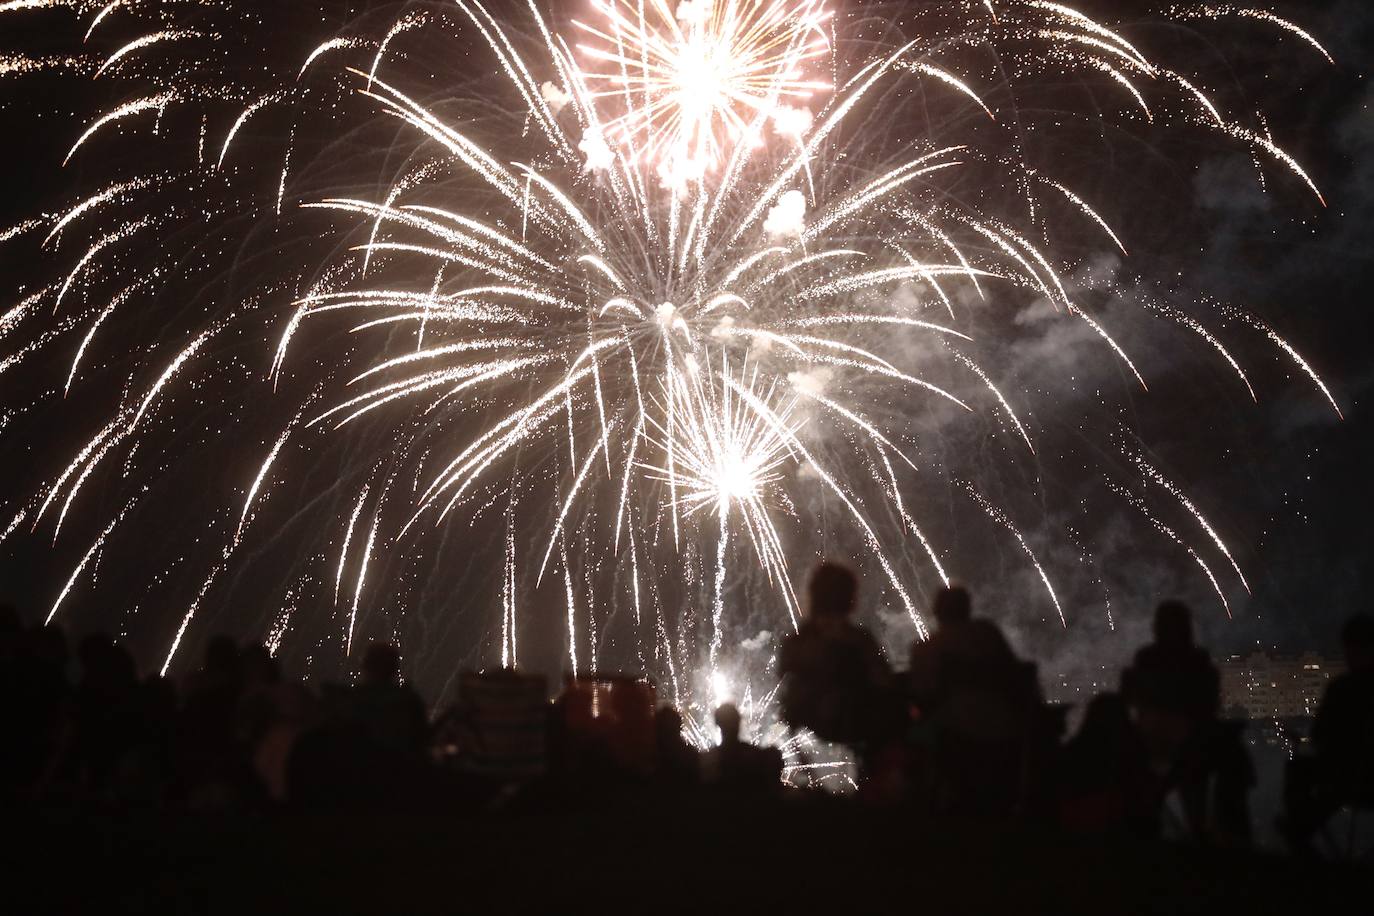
<point x="725" y="455"/>
<point x="699" y="75"/>
<point x="737" y="476"/>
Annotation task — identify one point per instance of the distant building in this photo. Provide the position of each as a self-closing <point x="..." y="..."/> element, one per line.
<point x="1288" y="735"/>
<point x="1264" y="686"/>
<point x="1272" y="688"/>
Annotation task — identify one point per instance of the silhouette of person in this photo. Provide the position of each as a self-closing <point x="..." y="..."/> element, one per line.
<point x="261" y="683"/>
<point x="11" y="632"/>
<point x="1173" y="675"/>
<point x="738" y="766"/>
<point x="147" y="775"/>
<point x="368" y="750"/>
<point x="1343" y="733"/>
<point x="211" y="760"/>
<point x="1103" y="780"/>
<point x="271" y="714"/>
<point x="834" y="679"/>
<point x="390" y="713"/>
<point x="1174" y="691"/>
<point x="978" y="703"/>
<point x="967" y="670"/>
<point x="212" y="693"/>
<point x="1341" y="771"/>
<point x="38" y="711"/>
<point x="677" y="763"/>
<point x="105" y="708"/>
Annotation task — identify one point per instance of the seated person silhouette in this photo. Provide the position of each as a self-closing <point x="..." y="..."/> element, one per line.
<point x="368" y="748"/>
<point x="967" y="674"/>
<point x="677" y="764"/>
<point x="390" y="712"/>
<point x="834" y="679"/>
<point x="978" y="703"/>
<point x="1174" y="693"/>
<point x="738" y="766"/>
<point x="1173" y="676"/>
<point x="1341" y="771"/>
<point x="1102" y="780"/>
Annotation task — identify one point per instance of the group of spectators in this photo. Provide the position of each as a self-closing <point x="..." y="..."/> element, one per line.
<point x="83" y="729"/>
<point x="963" y="731"/>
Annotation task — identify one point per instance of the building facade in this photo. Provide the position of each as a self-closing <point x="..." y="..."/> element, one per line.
<point x="1266" y="686"/>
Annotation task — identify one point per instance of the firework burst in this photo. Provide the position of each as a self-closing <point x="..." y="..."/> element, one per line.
<point x="659" y="302"/>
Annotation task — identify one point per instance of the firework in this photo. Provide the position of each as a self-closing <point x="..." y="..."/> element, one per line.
<point x="686" y="81"/>
<point x="642" y="302"/>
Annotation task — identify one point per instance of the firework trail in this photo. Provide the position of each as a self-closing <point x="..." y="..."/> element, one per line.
<point x="665" y="299"/>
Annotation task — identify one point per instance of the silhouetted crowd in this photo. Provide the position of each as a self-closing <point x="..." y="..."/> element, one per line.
<point x="964" y="731"/>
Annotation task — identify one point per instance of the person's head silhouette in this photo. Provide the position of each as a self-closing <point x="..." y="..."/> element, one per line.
<point x="259" y="667"/>
<point x="953" y="606"/>
<point x="1106" y="718"/>
<point x="50" y="645"/>
<point x="728" y="720"/>
<point x="1357" y="639"/>
<point x="1174" y="625"/>
<point x="832" y="591"/>
<point x="222" y="658"/>
<point x="668" y="724"/>
<point x="381" y="664"/>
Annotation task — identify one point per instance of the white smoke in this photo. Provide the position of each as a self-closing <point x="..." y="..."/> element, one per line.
<point x="787" y="217"/>
<point x="554" y="96"/>
<point x="597" y="151"/>
<point x="677" y="172"/>
<point x="792" y="122"/>
<point x="812" y="381"/>
<point x="754" y="643"/>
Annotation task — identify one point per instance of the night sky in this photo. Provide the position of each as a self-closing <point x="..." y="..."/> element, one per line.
<point x="1284" y="482"/>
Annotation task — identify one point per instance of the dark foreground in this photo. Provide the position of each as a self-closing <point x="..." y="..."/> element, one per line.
<point x="639" y="855"/>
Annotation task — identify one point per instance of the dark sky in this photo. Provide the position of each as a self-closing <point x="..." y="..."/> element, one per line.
<point x="1308" y="272"/>
<point x="1285" y="482"/>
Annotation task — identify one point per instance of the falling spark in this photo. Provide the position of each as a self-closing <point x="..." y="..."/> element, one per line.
<point x="1303" y="364"/>
<point x="1173" y="536"/>
<point x="13" y="525"/>
<point x="348" y="538"/>
<point x="1151" y="472"/>
<point x="362" y="577"/>
<point x="997" y="515"/>
<point x="128" y="109"/>
<point x="85" y="561"/>
<point x="257" y="481"/>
